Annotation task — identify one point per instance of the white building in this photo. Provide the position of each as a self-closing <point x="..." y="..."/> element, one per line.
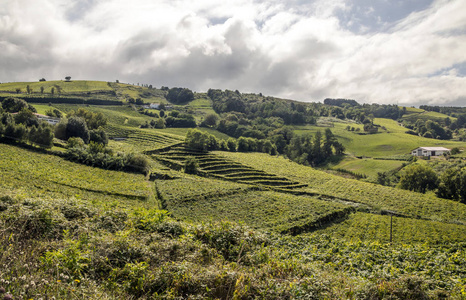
<point x="429" y="151"/>
<point x="48" y="119"/>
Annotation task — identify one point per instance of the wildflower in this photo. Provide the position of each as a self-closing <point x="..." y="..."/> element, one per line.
<point x="8" y="297"/>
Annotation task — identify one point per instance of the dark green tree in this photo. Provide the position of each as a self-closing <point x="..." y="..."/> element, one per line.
<point x="76" y="127"/>
<point x="191" y="165"/>
<point x="418" y="178"/>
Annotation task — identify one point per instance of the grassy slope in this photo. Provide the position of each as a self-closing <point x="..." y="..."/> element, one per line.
<point x="379" y="197"/>
<point x="72" y="86"/>
<point x="369" y="167"/>
<point x="392" y="141"/>
<point x="38" y="175"/>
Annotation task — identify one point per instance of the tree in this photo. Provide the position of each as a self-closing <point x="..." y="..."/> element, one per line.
<point x="98" y="136"/>
<point x="42" y="79"/>
<point x="191" y="165"/>
<point x="41" y="89"/>
<point x="180" y="95"/>
<point x="26" y="117"/>
<point x="317" y="153"/>
<point x="231" y="144"/>
<point x="41" y="136"/>
<point x="93" y="120"/>
<point x="76" y="127"/>
<point x="418" y="178"/>
<point x="28" y="89"/>
<point x="210" y="120"/>
<point x="197" y="139"/>
<point x="18" y="90"/>
<point x="68" y="78"/>
<point x="52" y="90"/>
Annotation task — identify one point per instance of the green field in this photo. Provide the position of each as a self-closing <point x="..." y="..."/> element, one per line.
<point x="369" y="167"/>
<point x="67" y="87"/>
<point x="33" y="174"/>
<point x="376" y="196"/>
<point x="392" y="141"/>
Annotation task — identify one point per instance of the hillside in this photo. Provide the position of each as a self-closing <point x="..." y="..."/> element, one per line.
<point x="244" y="225"/>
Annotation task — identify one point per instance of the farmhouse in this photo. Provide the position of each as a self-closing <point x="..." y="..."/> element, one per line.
<point x="429" y="151"/>
<point x="48" y="119"/>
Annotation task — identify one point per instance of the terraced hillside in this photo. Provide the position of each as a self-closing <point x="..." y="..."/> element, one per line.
<point x="212" y="165"/>
<point x="139" y="140"/>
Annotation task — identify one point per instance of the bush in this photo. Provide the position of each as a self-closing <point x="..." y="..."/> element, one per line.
<point x="191" y="166"/>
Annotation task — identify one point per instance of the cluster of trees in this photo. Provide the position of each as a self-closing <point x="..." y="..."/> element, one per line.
<point x="313" y="150"/>
<point x="197" y="139"/>
<point x="18" y="123"/>
<point x="430" y="129"/>
<point x="178" y="95"/>
<point x="83" y="124"/>
<point x="447" y="110"/>
<point x="97" y="155"/>
<point x="308" y="150"/>
<point x="257" y="106"/>
<point x="450" y="184"/>
<point x="158" y="123"/>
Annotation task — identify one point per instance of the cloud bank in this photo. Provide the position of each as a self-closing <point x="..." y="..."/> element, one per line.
<point x="302" y="50"/>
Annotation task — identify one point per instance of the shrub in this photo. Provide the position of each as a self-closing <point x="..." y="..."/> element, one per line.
<point x="191" y="166"/>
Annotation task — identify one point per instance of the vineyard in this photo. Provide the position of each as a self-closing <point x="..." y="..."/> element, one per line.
<point x="378" y="197"/>
<point x="371" y="227"/>
<point x="41" y="174"/>
<point x="242" y="225"/>
<point x="262" y="209"/>
<point x="218" y="167"/>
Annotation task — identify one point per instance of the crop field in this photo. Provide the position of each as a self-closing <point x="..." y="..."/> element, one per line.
<point x="364" y="226"/>
<point x="262" y="209"/>
<point x="189" y="189"/>
<point x="376" y="196"/>
<point x="42" y="174"/>
<point x="219" y="167"/>
<point x="369" y="167"/>
<point x="442" y="266"/>
<point x="182" y="132"/>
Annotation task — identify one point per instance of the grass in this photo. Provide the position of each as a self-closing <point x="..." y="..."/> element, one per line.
<point x="116" y="115"/>
<point x="427" y="115"/>
<point x="369" y="167"/>
<point x="67" y="87"/>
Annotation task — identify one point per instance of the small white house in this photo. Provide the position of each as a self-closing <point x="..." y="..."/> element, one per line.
<point x="429" y="151"/>
<point x="154" y="105"/>
<point x="48" y="119"/>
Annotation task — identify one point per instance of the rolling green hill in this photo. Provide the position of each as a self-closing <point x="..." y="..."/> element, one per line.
<point x="245" y="225"/>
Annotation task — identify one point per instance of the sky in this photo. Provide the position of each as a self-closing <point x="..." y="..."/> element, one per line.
<point x="373" y="51"/>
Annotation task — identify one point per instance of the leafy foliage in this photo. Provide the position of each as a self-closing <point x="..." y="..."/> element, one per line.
<point x="418" y="178"/>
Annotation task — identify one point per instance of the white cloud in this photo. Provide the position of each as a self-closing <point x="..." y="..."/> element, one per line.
<point x="293" y="49"/>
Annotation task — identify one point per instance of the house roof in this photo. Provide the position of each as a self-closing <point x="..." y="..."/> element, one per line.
<point x="433" y="148"/>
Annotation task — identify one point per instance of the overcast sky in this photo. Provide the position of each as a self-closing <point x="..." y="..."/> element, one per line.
<point x="375" y="51"/>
